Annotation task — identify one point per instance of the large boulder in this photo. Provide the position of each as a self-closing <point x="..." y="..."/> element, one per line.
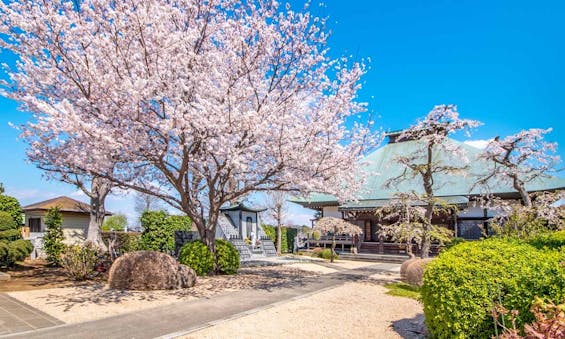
<point x="405" y="265"/>
<point x="149" y="270"/>
<point x="415" y="271"/>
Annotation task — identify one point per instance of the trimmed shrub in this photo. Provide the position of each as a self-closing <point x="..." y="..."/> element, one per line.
<point x="11" y="205"/>
<point x="462" y="285"/>
<point x="10" y="235"/>
<point x="80" y="261"/>
<point x="12" y="247"/>
<point x="149" y="270"/>
<point x="227" y="257"/>
<point x="53" y="239"/>
<point x="197" y="256"/>
<point x="325" y="253"/>
<point x="7" y="222"/>
<point x="415" y="271"/>
<point x="159" y="230"/>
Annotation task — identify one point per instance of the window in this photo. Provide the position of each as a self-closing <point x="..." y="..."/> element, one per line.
<point x="470" y="229"/>
<point x="34" y="224"/>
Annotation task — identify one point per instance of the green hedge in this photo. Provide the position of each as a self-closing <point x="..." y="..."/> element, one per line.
<point x="463" y="283"/>
<point x="553" y="240"/>
<point x="197" y="256"/>
<point x="159" y="230"/>
<point x="287" y="239"/>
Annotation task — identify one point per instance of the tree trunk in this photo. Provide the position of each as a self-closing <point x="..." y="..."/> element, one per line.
<point x="98" y="192"/>
<point x="333" y="248"/>
<point x="279" y="238"/>
<point x="519" y="186"/>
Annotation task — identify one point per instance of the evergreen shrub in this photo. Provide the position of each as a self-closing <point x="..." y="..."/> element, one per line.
<point x="227" y="257"/>
<point x="53" y="239"/>
<point x="197" y="256"/>
<point x="462" y="285"/>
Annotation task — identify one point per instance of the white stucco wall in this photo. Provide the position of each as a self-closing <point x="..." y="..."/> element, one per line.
<point x="331" y="211"/>
<point x="74" y="226"/>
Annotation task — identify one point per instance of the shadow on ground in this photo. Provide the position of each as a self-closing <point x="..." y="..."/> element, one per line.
<point x="264" y="278"/>
<point x="411" y="328"/>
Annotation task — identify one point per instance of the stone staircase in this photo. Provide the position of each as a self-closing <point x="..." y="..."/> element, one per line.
<point x="232" y="235"/>
<point x="267" y="244"/>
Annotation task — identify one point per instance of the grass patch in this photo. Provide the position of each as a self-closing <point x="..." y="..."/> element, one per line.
<point x="403" y="290"/>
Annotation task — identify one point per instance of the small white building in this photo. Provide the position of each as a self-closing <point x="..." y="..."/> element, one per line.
<point x="76" y="217"/>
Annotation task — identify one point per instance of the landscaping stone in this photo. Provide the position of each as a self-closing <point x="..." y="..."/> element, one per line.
<point x="149" y="270"/>
<point x="415" y="271"/>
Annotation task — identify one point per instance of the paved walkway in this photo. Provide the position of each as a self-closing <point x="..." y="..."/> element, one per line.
<point x="16" y="316"/>
<point x="175" y="319"/>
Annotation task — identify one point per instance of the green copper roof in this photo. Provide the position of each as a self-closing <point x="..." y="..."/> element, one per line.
<point x="381" y="166"/>
<point x="241" y="206"/>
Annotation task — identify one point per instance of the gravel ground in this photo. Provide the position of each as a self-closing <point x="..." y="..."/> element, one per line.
<point x="95" y="301"/>
<point x="353" y="310"/>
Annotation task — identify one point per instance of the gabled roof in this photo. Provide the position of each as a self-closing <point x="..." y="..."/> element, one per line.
<point x="65" y="204"/>
<point x="382" y="166"/>
<point x="241" y="206"/>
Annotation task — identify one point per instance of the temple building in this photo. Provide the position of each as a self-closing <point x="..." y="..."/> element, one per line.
<point x="457" y="189"/>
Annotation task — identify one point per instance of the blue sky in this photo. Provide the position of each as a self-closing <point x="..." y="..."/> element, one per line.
<point x="501" y="62"/>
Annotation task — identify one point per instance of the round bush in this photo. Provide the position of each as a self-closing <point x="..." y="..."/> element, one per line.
<point x="7" y="222"/>
<point x="415" y="271"/>
<point x="463" y="283"/>
<point x="227" y="257"/>
<point x="149" y="270"/>
<point x="197" y="256"/>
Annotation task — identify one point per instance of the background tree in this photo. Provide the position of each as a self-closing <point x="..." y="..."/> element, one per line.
<point x="194" y="95"/>
<point x="146" y="202"/>
<point x="336" y="226"/>
<point x="405" y="219"/>
<point x="432" y="134"/>
<point x="117" y="222"/>
<point x="277" y="205"/>
<point x="519" y="159"/>
<point x="53" y="239"/>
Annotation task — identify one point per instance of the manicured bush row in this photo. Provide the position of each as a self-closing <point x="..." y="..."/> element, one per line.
<point x="159" y="230"/>
<point x="465" y="282"/>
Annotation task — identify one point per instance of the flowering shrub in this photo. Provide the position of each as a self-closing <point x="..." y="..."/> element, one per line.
<point x="80" y="261"/>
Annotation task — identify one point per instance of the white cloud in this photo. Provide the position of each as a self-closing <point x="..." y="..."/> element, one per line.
<point x="480" y="144"/>
<point x="78" y="194"/>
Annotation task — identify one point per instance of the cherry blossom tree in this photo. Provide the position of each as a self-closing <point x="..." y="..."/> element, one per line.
<point x="404" y="219"/>
<point x="54" y="160"/>
<point x="336" y="226"/>
<point x="519" y="159"/>
<point x="208" y="100"/>
<point x="432" y="133"/>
